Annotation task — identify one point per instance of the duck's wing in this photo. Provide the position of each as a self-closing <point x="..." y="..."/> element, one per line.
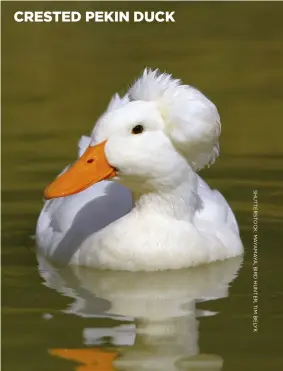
<point x="215" y="208"/>
<point x="64" y="223"/>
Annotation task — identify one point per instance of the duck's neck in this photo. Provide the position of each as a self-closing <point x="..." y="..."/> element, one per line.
<point x="179" y="202"/>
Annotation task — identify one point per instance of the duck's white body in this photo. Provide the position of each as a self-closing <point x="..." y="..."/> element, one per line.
<point x="167" y="221"/>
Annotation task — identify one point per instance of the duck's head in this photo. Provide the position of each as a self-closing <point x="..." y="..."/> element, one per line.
<point x="147" y="139"/>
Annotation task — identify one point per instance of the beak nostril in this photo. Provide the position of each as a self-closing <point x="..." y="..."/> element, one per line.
<point x="90" y="161"/>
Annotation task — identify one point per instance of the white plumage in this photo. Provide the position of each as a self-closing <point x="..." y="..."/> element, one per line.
<point x="157" y="213"/>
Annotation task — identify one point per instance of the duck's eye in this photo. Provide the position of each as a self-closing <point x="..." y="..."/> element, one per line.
<point x="138" y="129"/>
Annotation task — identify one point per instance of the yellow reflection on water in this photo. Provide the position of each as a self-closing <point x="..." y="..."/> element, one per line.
<point x="91" y="359"/>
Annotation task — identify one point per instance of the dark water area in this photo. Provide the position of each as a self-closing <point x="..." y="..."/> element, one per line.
<point x="56" y="80"/>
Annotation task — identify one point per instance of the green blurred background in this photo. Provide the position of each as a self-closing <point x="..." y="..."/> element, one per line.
<point x="58" y="78"/>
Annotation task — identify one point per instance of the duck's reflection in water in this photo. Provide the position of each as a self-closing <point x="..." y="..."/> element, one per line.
<point x="159" y="319"/>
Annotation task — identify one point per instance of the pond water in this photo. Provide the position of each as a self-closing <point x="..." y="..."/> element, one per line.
<point x="56" y="80"/>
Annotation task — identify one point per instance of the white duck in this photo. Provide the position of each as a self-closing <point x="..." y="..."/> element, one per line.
<point x="155" y="213"/>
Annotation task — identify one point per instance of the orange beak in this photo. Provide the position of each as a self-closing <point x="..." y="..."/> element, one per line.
<point x="91" y="167"/>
